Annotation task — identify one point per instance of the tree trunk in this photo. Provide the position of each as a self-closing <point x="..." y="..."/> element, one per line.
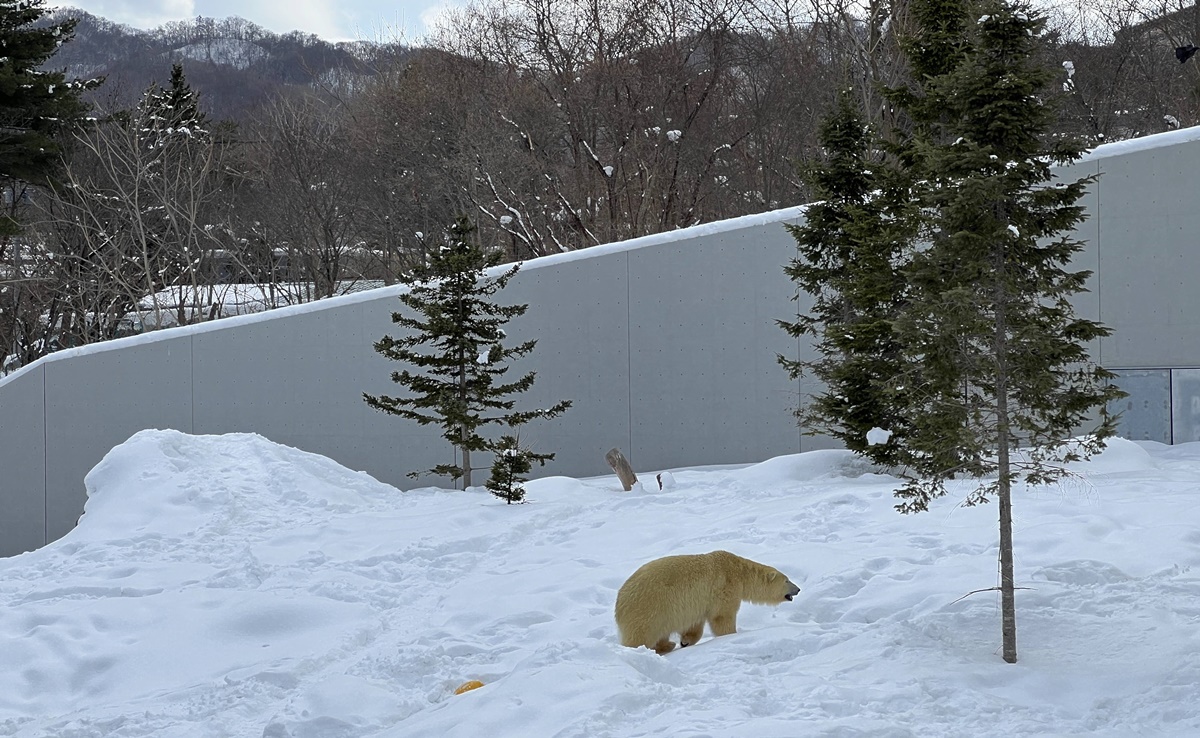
<point x="466" y="455"/>
<point x="621" y="466"/>
<point x="1008" y="606"/>
<point x="462" y="394"/>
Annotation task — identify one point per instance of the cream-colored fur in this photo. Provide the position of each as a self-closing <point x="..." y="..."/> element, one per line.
<point x="679" y="594"/>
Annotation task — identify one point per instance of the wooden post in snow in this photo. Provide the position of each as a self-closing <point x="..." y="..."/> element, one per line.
<point x="621" y="466"/>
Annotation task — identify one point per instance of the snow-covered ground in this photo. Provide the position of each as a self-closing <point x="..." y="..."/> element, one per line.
<point x="230" y="586"/>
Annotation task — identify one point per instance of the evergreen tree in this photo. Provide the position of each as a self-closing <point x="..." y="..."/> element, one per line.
<point x="510" y="464"/>
<point x="35" y="105"/>
<point x="181" y="104"/>
<point x="456" y="346"/>
<point x="936" y="46"/>
<point x="172" y="138"/>
<point x="989" y="333"/>
<point x="849" y="246"/>
<point x="984" y="364"/>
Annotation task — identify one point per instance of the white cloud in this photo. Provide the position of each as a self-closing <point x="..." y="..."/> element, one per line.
<point x="325" y="18"/>
<point x="334" y="20"/>
<point x="137" y="13"/>
<point x="432" y="15"/>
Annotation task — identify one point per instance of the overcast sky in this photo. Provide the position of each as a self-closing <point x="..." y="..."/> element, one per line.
<point x="333" y="20"/>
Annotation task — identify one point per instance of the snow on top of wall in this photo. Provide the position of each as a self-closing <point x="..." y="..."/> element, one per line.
<point x="657" y="239"/>
<point x="1145" y="143"/>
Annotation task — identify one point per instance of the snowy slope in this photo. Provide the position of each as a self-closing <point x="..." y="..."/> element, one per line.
<point x="230" y="586"/>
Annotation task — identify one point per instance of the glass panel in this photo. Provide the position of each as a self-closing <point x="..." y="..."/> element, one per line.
<point x="1185" y="396"/>
<point x="1146" y="412"/>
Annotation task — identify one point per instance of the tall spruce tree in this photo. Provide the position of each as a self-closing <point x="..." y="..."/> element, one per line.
<point x="850" y="245"/>
<point x="456" y="346"/>
<point x="988" y="373"/>
<point x="35" y="104"/>
<point x="991" y="341"/>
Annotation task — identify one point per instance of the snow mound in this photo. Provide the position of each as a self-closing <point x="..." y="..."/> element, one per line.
<point x="162" y="483"/>
<point x="1119" y="457"/>
<point x="807" y="467"/>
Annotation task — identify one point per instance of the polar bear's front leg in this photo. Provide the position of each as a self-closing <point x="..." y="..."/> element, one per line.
<point x="664" y="645"/>
<point x="692" y="634"/>
<point x="723" y="624"/>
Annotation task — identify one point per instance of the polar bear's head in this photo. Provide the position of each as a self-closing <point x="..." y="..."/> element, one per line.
<point x="774" y="588"/>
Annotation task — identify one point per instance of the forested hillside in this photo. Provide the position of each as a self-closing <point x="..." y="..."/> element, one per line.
<point x="234" y="64"/>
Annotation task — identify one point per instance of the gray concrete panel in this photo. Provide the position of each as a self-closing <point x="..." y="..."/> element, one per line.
<point x="1145" y="415"/>
<point x="23" y="472"/>
<point x="1149" y="258"/>
<point x="579" y="314"/>
<point x="298" y="380"/>
<point x="704" y="379"/>
<point x="96" y="401"/>
<point x="1087" y="304"/>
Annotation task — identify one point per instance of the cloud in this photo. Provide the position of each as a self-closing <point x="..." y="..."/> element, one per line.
<point x="325" y="18"/>
<point x="137" y="13"/>
<point x="432" y="16"/>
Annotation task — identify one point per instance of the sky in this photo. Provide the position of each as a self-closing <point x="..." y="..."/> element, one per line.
<point x="227" y="585"/>
<point x="333" y="20"/>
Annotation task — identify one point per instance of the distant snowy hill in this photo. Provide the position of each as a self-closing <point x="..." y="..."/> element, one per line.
<point x="230" y="52"/>
<point x="233" y="63"/>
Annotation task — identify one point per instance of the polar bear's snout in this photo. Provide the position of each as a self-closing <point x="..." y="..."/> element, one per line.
<point x="793" y="590"/>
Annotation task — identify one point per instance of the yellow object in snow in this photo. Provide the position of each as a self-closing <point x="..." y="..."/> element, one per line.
<point x="468" y="686"/>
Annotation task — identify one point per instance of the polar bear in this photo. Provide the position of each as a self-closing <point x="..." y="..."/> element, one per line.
<point x="679" y="594"/>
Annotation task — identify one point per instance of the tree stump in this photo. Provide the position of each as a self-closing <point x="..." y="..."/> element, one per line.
<point x="621" y="466"/>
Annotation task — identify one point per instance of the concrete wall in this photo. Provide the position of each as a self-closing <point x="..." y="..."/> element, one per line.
<point x="667" y="345"/>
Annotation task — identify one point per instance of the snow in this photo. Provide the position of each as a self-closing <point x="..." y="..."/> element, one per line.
<point x="231" y="586"/>
<point x="878" y="436"/>
<point x="230" y="52"/>
<point x="1146" y="143"/>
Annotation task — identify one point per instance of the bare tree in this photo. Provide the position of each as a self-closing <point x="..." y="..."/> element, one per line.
<point x="623" y="118"/>
<point x="305" y="188"/>
<point x="131" y="218"/>
<point x="1121" y="76"/>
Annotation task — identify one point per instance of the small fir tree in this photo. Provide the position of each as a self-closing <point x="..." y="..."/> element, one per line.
<point x="849" y="245"/>
<point x="510" y="463"/>
<point x="455" y="346"/>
